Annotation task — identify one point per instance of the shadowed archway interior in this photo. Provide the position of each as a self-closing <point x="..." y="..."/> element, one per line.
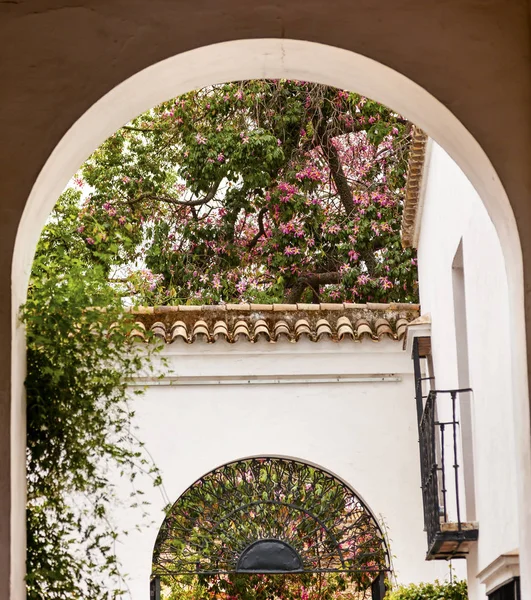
<point x="270" y="516"/>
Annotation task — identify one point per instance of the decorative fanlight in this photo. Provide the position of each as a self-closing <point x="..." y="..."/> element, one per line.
<point x="269" y="516"/>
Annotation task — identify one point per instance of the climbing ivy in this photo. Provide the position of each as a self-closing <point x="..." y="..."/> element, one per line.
<point x="79" y="432"/>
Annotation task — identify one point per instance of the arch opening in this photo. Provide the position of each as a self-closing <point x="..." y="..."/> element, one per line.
<point x="267" y="59"/>
<point x="270" y="516"/>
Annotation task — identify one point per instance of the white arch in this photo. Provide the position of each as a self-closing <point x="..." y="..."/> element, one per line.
<point x="268" y="58"/>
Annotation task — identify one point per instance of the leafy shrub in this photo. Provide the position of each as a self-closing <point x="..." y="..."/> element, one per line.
<point x="455" y="590"/>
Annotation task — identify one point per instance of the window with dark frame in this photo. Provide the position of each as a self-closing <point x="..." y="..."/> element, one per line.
<point x="508" y="591"/>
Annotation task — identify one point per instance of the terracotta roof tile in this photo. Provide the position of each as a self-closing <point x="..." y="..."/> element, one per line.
<point x="252" y="322"/>
<point x="415" y="170"/>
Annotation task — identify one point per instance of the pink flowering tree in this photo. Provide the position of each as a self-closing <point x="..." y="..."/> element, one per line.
<point x="264" y="191"/>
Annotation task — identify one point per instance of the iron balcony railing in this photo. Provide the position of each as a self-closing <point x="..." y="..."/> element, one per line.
<point x="439" y="440"/>
<point x="436" y="438"/>
<point x="442" y="480"/>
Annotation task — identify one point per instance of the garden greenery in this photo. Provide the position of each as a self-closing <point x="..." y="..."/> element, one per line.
<point x="79" y="358"/>
<point x="453" y="590"/>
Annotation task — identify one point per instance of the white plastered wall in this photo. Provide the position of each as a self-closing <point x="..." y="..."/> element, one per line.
<point x="453" y="214"/>
<point x="365" y="432"/>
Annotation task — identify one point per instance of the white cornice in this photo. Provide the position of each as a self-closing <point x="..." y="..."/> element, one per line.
<point x="500" y="571"/>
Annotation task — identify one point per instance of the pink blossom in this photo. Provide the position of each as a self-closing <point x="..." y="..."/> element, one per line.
<point x="385" y="283"/>
<point x="311" y="172"/>
<point x="241" y="286"/>
<point x="90" y="241"/>
<point x="291" y="250"/>
<point x="287" y="191"/>
<point x="200" y="139"/>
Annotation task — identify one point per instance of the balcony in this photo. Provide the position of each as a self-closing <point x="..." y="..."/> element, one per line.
<point x="449" y="534"/>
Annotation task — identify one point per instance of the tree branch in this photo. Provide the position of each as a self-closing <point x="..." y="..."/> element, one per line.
<point x="175" y="201"/>
<point x="261" y="230"/>
<point x="338" y="175"/>
<point x="141" y="129"/>
<point x="313" y="281"/>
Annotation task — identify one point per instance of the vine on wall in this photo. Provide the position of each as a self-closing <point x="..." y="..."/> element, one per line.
<point x="79" y="357"/>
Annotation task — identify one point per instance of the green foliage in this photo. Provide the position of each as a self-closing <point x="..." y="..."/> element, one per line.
<point x="265" y="191"/>
<point x="79" y="357"/>
<point x="455" y="590"/>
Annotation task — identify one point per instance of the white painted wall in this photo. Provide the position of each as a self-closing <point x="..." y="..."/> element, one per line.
<point x="364" y="432"/>
<point x="452" y="214"/>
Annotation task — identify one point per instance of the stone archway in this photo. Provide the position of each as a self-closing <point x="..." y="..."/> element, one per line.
<point x="272" y="58"/>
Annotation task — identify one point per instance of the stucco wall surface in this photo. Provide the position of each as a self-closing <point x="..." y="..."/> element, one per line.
<point x="452" y="215"/>
<point x="364" y="432"/>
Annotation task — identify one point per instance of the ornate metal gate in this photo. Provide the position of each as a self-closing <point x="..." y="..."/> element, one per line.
<point x="272" y="516"/>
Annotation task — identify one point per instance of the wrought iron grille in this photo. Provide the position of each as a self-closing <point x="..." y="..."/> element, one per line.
<point x="439" y="444"/>
<point x="439" y="455"/>
<point x="429" y="470"/>
<point x="270" y="515"/>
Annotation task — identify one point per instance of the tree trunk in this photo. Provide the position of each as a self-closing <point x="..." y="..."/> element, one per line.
<point x="313" y="281"/>
<point x="338" y="175"/>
